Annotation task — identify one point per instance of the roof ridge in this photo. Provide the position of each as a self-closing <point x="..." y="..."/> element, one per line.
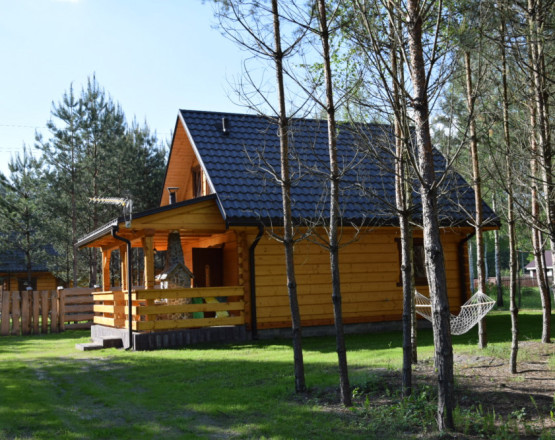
<point x="257" y="115"/>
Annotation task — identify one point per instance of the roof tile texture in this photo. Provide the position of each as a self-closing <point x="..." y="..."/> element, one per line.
<point x="237" y="163"/>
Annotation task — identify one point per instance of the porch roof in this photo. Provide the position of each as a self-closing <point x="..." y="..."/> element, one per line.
<point x="196" y="217"/>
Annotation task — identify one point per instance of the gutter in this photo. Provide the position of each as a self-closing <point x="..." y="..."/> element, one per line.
<point x="254" y="326"/>
<point x="462" y="281"/>
<point x="129" y="302"/>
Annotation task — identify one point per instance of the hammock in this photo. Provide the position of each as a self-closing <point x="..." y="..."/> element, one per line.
<point x="471" y="312"/>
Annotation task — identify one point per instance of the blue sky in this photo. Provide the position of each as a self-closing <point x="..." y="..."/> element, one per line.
<point x="152" y="56"/>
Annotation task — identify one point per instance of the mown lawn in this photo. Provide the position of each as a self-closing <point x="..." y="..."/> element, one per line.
<point x="49" y="390"/>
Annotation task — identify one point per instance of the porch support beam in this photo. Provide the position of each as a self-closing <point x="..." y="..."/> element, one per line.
<point x="123" y="265"/>
<point x="106" y="256"/>
<point x="148" y="250"/>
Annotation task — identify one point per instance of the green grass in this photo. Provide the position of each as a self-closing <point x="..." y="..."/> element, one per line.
<point x="50" y="390"/>
<point x="529" y="297"/>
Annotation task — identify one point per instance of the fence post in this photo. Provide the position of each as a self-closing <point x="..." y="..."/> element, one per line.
<point x="16" y="314"/>
<point x="5" y="328"/>
<point x="44" y="310"/>
<point x="62" y="303"/>
<point x="36" y="314"/>
<point x="54" y="309"/>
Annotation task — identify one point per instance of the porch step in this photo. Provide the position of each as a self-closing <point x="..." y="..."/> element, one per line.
<point x="109" y="342"/>
<point x="100" y="343"/>
<point x="89" y="346"/>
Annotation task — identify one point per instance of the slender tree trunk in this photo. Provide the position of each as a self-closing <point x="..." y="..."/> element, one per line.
<point x="403" y="214"/>
<point x="73" y="217"/>
<point x="471" y="265"/>
<point x="497" y="263"/>
<point x="28" y="257"/>
<point x="510" y="210"/>
<point x="546" y="148"/>
<point x="333" y="235"/>
<point x="288" y="233"/>
<point x="477" y="185"/>
<point x="512" y="275"/>
<point x="435" y="264"/>
<point x="538" y="126"/>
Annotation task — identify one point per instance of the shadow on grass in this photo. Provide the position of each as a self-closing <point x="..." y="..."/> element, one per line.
<point x="234" y="390"/>
<point x="498" y="328"/>
<point x="13" y="343"/>
<point x="149" y="396"/>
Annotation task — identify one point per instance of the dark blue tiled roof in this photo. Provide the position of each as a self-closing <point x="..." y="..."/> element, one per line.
<point x="13" y="260"/>
<point x="234" y="162"/>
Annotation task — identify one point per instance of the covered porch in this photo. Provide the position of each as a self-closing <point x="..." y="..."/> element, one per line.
<point x="214" y="297"/>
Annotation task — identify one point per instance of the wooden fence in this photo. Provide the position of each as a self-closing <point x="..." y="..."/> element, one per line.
<point x="522" y="281"/>
<point x="41" y="312"/>
<point x="171" y="309"/>
<point x="78" y="305"/>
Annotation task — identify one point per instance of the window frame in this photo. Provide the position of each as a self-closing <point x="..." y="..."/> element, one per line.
<point x="196" y="176"/>
<point x="22" y="281"/>
<point x="420" y="280"/>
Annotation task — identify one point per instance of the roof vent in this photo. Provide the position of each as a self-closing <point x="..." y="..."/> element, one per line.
<point x="225" y="126"/>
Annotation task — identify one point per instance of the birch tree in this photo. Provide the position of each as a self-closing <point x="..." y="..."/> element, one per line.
<point x="257" y="27"/>
<point x="435" y="263"/>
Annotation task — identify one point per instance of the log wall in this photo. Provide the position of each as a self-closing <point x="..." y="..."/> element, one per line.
<point x="45" y="280"/>
<point x="370" y="279"/>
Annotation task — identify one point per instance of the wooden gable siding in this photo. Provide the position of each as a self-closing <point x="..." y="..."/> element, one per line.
<point x="370" y="273"/>
<point x="180" y="165"/>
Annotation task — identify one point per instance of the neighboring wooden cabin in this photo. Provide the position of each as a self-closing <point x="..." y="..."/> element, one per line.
<point x="225" y="207"/>
<point x="14" y="275"/>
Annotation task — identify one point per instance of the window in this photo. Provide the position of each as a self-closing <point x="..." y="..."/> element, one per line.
<point x="23" y="283"/>
<point x="418" y="262"/>
<point x="196" y="174"/>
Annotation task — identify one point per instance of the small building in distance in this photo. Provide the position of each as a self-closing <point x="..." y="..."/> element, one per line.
<point x="531" y="267"/>
<point x="14" y="275"/>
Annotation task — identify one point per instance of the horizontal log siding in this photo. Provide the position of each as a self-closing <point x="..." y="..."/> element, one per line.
<point x="370" y="272"/>
<point x="45" y="280"/>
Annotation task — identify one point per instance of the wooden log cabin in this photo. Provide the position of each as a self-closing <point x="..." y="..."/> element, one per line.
<point x="220" y="197"/>
<point x="14" y="275"/>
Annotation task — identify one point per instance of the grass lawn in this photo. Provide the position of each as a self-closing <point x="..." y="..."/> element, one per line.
<point x="527" y="299"/>
<point x="49" y="390"/>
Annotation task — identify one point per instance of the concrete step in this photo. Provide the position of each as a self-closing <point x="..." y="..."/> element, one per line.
<point x="100" y="343"/>
<point x="89" y="346"/>
<point x="109" y="342"/>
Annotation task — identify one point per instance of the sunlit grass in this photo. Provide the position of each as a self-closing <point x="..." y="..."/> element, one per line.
<point x="50" y="390"/>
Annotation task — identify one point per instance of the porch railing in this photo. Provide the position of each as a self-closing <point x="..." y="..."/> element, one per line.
<point x="169" y="309"/>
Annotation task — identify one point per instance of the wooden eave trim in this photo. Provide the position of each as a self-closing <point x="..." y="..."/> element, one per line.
<point x="149" y="225"/>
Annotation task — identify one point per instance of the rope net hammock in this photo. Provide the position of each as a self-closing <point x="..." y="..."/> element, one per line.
<point x="471" y="312"/>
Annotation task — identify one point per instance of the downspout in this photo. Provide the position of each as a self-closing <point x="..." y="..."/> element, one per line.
<point x="130" y="304"/>
<point x="254" y="329"/>
<point x="462" y="261"/>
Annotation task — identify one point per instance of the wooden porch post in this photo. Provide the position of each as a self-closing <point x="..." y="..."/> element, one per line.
<point x="148" y="250"/>
<point x="106" y="256"/>
<point x="123" y="265"/>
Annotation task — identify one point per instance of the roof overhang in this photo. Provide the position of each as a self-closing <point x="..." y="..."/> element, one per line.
<point x="192" y="218"/>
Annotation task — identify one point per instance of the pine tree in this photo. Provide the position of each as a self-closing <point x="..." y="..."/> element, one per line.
<point x="91" y="152"/>
<point x="22" y="211"/>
